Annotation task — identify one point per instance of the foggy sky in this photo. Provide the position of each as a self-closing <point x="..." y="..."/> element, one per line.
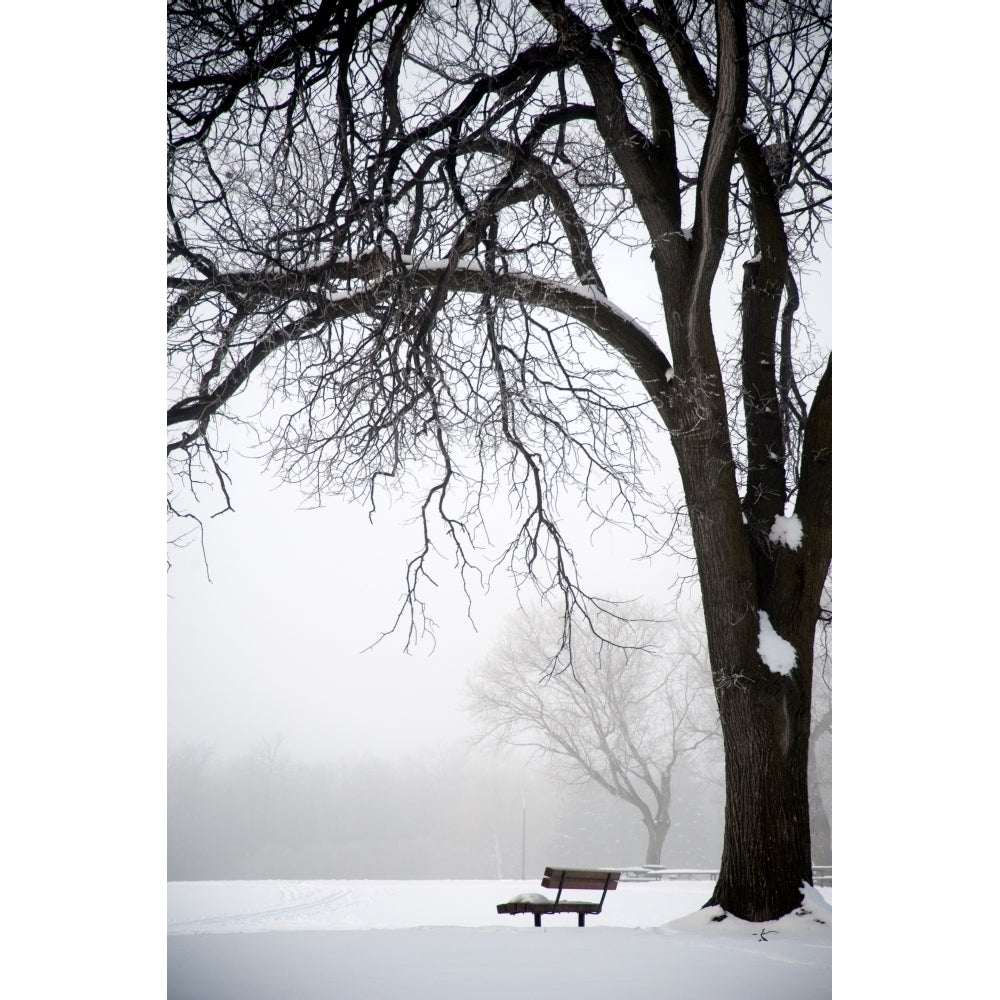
<point x="276" y="643"/>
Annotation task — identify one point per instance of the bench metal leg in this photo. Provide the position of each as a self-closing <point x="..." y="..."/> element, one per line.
<point x="538" y="920"/>
<point x="580" y="923"/>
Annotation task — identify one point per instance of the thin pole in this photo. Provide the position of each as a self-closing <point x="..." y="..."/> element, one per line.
<point x="524" y="828"/>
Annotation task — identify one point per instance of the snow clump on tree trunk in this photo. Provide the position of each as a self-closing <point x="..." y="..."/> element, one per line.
<point x="786" y="531"/>
<point x="777" y="653"/>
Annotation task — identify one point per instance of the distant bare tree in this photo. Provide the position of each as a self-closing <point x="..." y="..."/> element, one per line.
<point x="630" y="711"/>
<point x="388" y="218"/>
<point x="821" y="741"/>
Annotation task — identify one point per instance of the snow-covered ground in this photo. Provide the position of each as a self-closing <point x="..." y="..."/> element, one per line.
<point x="386" y="940"/>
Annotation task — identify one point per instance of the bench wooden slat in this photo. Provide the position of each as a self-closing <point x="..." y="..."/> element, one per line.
<point x="576" y="878"/>
<point x="565" y="906"/>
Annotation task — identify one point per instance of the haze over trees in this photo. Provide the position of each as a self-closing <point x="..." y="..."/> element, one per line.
<point x="628" y="715"/>
<point x="447" y="814"/>
<point x="387" y="218"/>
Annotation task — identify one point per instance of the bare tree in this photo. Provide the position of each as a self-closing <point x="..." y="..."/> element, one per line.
<point x="821" y="740"/>
<point x="387" y="216"/>
<point x="632" y="709"/>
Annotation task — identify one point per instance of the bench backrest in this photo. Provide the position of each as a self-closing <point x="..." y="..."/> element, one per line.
<point x="580" y="878"/>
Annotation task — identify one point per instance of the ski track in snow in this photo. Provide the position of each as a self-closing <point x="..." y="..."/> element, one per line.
<point x="299" y="907"/>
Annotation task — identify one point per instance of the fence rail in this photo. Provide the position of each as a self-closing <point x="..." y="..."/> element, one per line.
<point x="822" y="874"/>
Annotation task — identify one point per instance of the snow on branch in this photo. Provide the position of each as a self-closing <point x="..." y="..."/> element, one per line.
<point x="582" y="302"/>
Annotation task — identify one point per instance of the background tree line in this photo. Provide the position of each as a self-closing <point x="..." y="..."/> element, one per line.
<point x="617" y="762"/>
<point x="454" y="814"/>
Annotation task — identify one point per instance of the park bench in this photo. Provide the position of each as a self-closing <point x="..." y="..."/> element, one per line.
<point x="559" y="879"/>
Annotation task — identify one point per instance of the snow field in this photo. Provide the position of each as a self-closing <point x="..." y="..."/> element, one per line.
<point x="444" y="940"/>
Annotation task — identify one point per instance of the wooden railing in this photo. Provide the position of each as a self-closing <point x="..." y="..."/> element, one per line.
<point x="822" y="874"/>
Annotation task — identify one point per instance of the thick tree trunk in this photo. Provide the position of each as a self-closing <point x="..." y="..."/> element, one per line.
<point x="656" y="835"/>
<point x="766" y="854"/>
<point x="765" y="715"/>
<point x="822" y="833"/>
<point x="819" y="818"/>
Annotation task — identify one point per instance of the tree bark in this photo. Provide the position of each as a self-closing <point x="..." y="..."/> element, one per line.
<point x="766" y="854"/>
<point x="656" y="835"/>
<point x="820" y="831"/>
<point x="765" y="716"/>
<point x="819" y="818"/>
